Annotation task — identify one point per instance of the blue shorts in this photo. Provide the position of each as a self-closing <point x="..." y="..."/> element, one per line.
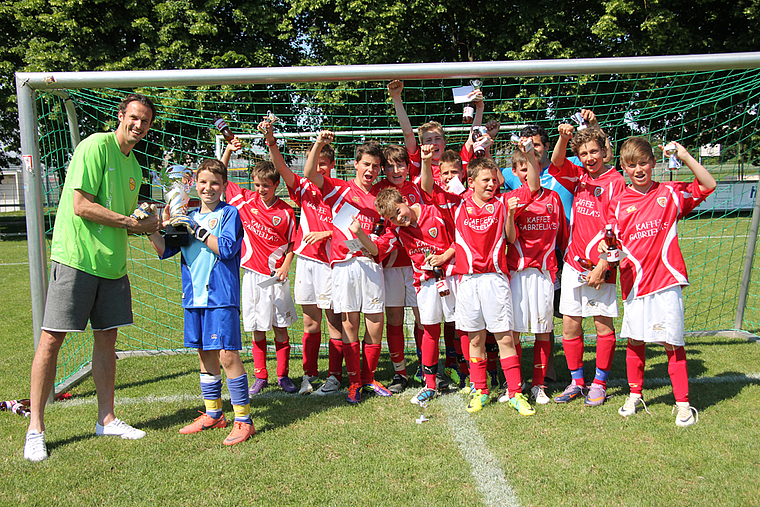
<point x="213" y="328"/>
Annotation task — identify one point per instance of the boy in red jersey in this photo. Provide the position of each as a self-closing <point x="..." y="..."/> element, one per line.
<point x="358" y="285"/>
<point x="484" y="301"/>
<point x="397" y="270"/>
<point x="313" y="278"/>
<point x="584" y="293"/>
<point x="645" y="217"/>
<point x="421" y="230"/>
<point x="270" y="226"/>
<point x="533" y="269"/>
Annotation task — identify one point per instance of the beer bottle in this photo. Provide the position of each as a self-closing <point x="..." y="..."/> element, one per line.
<point x="220" y="124"/>
<point x="613" y="254"/>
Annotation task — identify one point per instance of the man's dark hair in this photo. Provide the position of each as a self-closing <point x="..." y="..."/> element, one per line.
<point x="142" y="99"/>
<point x="535" y="130"/>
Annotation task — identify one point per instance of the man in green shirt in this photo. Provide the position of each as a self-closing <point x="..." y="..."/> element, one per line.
<point x="88" y="279"/>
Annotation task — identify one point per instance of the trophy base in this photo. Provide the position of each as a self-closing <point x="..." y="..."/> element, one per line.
<point x="176" y="236"/>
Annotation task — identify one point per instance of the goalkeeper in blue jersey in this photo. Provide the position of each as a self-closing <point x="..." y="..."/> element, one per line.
<point x="211" y="299"/>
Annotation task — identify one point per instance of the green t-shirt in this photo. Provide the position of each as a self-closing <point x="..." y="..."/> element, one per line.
<point x="98" y="167"/>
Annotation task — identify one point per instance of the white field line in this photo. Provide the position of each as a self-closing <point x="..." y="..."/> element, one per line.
<point x="490" y="479"/>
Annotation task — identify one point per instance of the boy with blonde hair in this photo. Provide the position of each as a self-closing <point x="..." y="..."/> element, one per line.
<point x="645" y="217"/>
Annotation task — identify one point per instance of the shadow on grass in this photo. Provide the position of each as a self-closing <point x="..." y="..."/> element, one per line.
<point x="142" y="382"/>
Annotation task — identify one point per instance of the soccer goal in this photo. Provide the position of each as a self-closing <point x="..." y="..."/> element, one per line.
<point x="709" y="103"/>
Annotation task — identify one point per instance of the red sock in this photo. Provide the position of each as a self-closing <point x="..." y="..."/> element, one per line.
<point x="418" y="337"/>
<point x="335" y="358"/>
<point x="311" y="342"/>
<point x="679" y="375"/>
<point x="541" y="351"/>
<point x="478" y="373"/>
<point x="574" y="354"/>
<point x="352" y="353"/>
<point x="371" y="358"/>
<point x="464" y="342"/>
<point x="366" y="378"/>
<point x="430" y="351"/>
<point x="395" y="337"/>
<point x="283" y="358"/>
<point x="259" y="351"/>
<point x="511" y="367"/>
<point x="450" y="342"/>
<point x="634" y="363"/>
<point x="492" y="352"/>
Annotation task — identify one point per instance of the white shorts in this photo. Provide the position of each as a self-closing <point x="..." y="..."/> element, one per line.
<point x="313" y="283"/>
<point x="435" y="309"/>
<point x="267" y="307"/>
<point x="399" y="287"/>
<point x="358" y="286"/>
<point x="577" y="299"/>
<point x="655" y="318"/>
<point x="484" y="301"/>
<point x="532" y="301"/>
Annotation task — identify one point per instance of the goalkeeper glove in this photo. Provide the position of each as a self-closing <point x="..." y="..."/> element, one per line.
<point x="199" y="232"/>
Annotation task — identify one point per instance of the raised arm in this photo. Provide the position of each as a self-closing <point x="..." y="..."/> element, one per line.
<point x="325" y="137"/>
<point x="274" y="153"/>
<point x="395" y="88"/>
<point x="233" y="145"/>
<point x="560" y="149"/>
<point x="477" y="99"/>
<point x="509" y="223"/>
<point x="593" y="122"/>
<point x="706" y="181"/>
<point x="426" y="175"/>
<point x="533" y="179"/>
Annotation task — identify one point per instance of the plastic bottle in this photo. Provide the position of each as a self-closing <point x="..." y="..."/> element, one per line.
<point x="613" y="254"/>
<point x="220" y="124"/>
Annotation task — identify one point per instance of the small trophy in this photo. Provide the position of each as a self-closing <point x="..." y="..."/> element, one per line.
<point x="580" y="121"/>
<point x="670" y="151"/>
<point x="271" y="118"/>
<point x="176" y="181"/>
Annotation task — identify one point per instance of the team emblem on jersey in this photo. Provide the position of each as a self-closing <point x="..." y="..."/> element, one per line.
<point x="412" y="198"/>
<point x="132" y="184"/>
<point x="598" y="191"/>
<point x="631" y="208"/>
<point x="433" y="231"/>
<point x="254" y="211"/>
<point x="550" y="208"/>
<point x="212" y="223"/>
<point x="356" y="198"/>
<point x="469" y="210"/>
<point x="276" y="221"/>
<point x="662" y="201"/>
<point x="489" y="208"/>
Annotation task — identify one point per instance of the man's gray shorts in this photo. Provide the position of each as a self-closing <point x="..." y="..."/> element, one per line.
<point x="73" y="297"/>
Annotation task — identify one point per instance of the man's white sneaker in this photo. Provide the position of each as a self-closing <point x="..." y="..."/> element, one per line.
<point x="34" y="447"/>
<point x="118" y="428"/>
<point x="306" y="384"/>
<point x="633" y="403"/>
<point x="538" y="394"/>
<point x="331" y="386"/>
<point x="687" y="415"/>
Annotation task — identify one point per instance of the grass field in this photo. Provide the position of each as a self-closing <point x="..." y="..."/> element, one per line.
<point x="321" y="451"/>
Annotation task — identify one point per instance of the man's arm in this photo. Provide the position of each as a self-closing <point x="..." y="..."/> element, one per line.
<point x="86" y="208"/>
<point x="395" y="88"/>
<point x="560" y="149"/>
<point x="310" y="168"/>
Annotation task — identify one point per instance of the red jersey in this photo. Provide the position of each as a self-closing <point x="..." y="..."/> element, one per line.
<point x="591" y="198"/>
<point x="429" y="236"/>
<point x="335" y="194"/>
<point x="415" y="169"/>
<point x="541" y="228"/>
<point x="481" y="240"/>
<point x="399" y="258"/>
<point x="315" y="217"/>
<point x="268" y="229"/>
<point x="646" y="226"/>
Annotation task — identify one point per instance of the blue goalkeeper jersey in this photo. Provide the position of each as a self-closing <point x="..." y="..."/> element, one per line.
<point x="208" y="280"/>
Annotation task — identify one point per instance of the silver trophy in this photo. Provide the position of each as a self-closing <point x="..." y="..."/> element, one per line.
<point x="176" y="180"/>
